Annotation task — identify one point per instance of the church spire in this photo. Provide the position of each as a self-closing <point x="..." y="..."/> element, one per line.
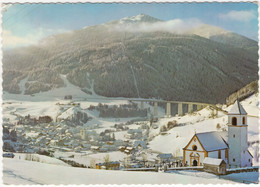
<point x="237" y="109"/>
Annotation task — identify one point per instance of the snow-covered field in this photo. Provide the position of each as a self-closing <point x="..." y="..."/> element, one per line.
<point x="27" y="172"/>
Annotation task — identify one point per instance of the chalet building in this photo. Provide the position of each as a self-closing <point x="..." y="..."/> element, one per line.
<point x="215" y="165"/>
<point x="140" y="145"/>
<point x="165" y="158"/>
<point x="109" y="166"/>
<point x="231" y="146"/>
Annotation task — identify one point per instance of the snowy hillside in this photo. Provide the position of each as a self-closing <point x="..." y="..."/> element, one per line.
<point x="198" y="122"/>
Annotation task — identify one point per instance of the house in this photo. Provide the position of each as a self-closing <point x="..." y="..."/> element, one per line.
<point x="140" y="145"/>
<point x="114" y="165"/>
<point x="129" y="150"/>
<point x="165" y="158"/>
<point x="95" y="148"/>
<point x="134" y="134"/>
<point x="69" y="97"/>
<point x="121" y="148"/>
<point x="231" y="146"/>
<point x="215" y="165"/>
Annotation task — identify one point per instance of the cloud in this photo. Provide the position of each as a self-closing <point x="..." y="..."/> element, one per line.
<point x="10" y="40"/>
<point x="243" y="15"/>
<point x="173" y="26"/>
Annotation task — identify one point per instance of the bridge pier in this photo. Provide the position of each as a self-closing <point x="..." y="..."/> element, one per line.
<point x="168" y="109"/>
<point x="199" y="107"/>
<point x="155" y="109"/>
<point x="142" y="105"/>
<point x="180" y="111"/>
<point x="190" y="108"/>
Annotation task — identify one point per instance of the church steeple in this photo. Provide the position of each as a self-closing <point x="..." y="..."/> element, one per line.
<point x="237" y="109"/>
<point x="237" y="116"/>
<point x="238" y="155"/>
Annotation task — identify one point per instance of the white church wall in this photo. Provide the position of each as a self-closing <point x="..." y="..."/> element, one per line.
<point x="213" y="154"/>
<point x="195" y="142"/>
<point x="234" y="137"/>
<point x="246" y="159"/>
<point x="243" y="140"/>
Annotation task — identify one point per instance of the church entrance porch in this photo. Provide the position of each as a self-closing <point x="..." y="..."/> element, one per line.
<point x="195" y="163"/>
<point x="194" y="159"/>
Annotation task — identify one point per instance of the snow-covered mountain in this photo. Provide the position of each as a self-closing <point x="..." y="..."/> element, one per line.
<point x="137" y="56"/>
<point x="140" y="18"/>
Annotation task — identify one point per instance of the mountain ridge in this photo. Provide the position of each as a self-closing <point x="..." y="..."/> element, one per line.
<point x="157" y="64"/>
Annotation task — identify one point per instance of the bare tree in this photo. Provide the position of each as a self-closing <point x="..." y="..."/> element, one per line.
<point x="107" y="160"/>
<point x="144" y="158"/>
<point x="126" y="162"/>
<point x="93" y="163"/>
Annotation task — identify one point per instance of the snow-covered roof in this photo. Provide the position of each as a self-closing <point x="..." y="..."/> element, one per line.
<point x="141" y="143"/>
<point x="237" y="108"/>
<point x="212" y="161"/>
<point x="211" y="141"/>
<point x="165" y="156"/>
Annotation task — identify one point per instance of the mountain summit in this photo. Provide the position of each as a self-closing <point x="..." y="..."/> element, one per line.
<point x="139" y="18"/>
<point x="205" y="64"/>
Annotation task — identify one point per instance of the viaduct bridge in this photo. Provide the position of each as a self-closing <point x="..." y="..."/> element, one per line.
<point x="198" y="105"/>
<point x="180" y="104"/>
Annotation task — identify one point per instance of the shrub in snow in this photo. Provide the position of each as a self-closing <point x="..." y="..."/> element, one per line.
<point x="163" y="128"/>
<point x="218" y="126"/>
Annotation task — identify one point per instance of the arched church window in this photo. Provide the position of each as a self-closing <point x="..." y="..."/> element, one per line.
<point x="244" y="120"/>
<point x="234" y="121"/>
<point x="194" y="148"/>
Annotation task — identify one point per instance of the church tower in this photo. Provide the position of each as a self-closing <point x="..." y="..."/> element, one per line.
<point x="238" y="154"/>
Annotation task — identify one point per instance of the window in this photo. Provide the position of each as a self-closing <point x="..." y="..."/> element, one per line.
<point x="248" y="160"/>
<point x="234" y="160"/>
<point x="244" y="120"/>
<point x="234" y="121"/>
<point x="194" y="148"/>
<point x="234" y="135"/>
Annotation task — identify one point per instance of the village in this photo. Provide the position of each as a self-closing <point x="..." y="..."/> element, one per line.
<point x="74" y="137"/>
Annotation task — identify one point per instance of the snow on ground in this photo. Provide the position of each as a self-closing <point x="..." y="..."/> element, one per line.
<point x="33" y="108"/>
<point x="38" y="158"/>
<point x="243" y="177"/>
<point x="246" y="177"/>
<point x="86" y="159"/>
<point x="53" y="94"/>
<point x="26" y="172"/>
<point x="179" y="136"/>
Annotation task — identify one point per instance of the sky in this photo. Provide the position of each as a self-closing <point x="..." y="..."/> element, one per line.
<point x="26" y="24"/>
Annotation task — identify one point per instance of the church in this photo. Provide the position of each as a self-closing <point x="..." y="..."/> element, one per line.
<point x="231" y="146"/>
